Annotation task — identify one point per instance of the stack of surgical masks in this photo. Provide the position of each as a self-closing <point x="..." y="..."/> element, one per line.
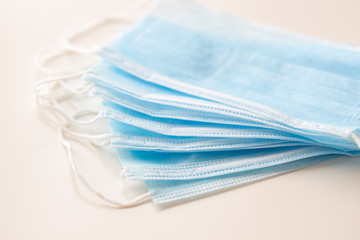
<point x="198" y="101"/>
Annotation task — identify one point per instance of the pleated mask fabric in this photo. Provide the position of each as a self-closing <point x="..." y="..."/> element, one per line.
<point x="260" y="79"/>
<point x="112" y="83"/>
<point x="174" y="191"/>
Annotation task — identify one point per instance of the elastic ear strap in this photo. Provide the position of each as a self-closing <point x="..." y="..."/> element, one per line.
<point x="85" y="88"/>
<point x="68" y="38"/>
<point x="56" y="79"/>
<point x="42" y="58"/>
<point x="63" y="128"/>
<point x="91" y="138"/>
<point x="71" y="119"/>
<point x="121" y="204"/>
<point x="356" y="139"/>
<point x="124" y="17"/>
<point x="49" y="104"/>
<point x="50" y="96"/>
<point x="99" y="139"/>
<point x="49" y="54"/>
<point x="47" y="108"/>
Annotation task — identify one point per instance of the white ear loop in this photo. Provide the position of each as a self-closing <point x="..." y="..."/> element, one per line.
<point x="356" y="139"/>
<point x="53" y="106"/>
<point x="47" y="55"/>
<point x="49" y="104"/>
<point x="121" y="204"/>
<point x="122" y="173"/>
<point x="50" y="96"/>
<point x="70" y="119"/>
<point x="99" y="139"/>
<point x="93" y="24"/>
<point x="125" y="17"/>
<point x="62" y="129"/>
<point x="60" y="79"/>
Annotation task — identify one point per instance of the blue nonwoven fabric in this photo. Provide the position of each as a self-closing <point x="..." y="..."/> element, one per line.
<point x="265" y="74"/>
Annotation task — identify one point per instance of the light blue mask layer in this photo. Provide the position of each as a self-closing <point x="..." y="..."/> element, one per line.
<point x="165" y="111"/>
<point x="108" y="76"/>
<point x="130" y="137"/>
<point x="341" y="59"/>
<point x="146" y="165"/>
<point x="183" y="128"/>
<point x="117" y="83"/>
<point x="150" y="99"/>
<point x="172" y="191"/>
<point x="166" y="114"/>
<point x="258" y="72"/>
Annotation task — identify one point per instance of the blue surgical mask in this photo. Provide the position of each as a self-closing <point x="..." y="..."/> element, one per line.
<point x="107" y="76"/>
<point x="199" y="102"/>
<point x="166" y="111"/>
<point x="170" y="191"/>
<point x="126" y="90"/>
<point x="198" y="130"/>
<point x="149" y="165"/>
<point x="182" y="128"/>
<point x="261" y="79"/>
<point x="130" y="137"/>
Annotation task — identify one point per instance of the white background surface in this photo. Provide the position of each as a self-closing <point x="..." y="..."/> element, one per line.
<point x="38" y="197"/>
